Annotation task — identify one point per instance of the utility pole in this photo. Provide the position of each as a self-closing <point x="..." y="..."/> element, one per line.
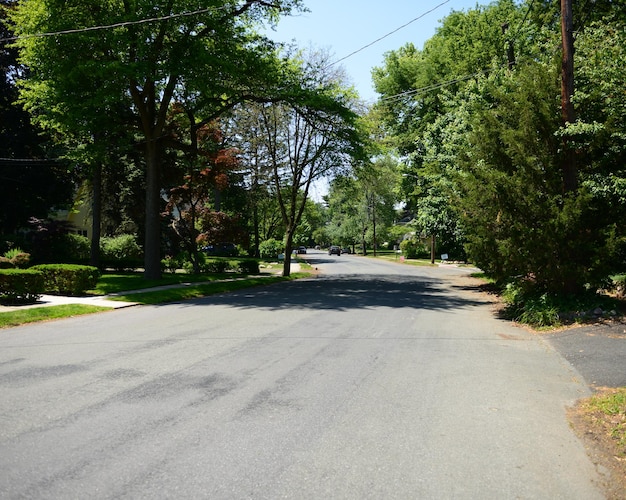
<point x="567" y="91"/>
<point x="510" y="51"/>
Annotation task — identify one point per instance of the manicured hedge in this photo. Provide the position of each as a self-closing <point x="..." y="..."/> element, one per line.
<point x="68" y="279"/>
<point x="20" y="286"/>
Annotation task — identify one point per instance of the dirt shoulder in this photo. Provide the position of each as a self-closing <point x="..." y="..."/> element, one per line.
<point x="596" y="430"/>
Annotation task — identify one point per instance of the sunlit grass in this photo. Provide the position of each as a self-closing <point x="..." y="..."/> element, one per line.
<point x="115" y="283"/>
<point x="193" y="291"/>
<point x="608" y="409"/>
<point x="35" y="314"/>
<point x="193" y="286"/>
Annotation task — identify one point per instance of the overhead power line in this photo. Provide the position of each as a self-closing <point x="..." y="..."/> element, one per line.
<point x="446" y="83"/>
<point x="115" y="25"/>
<point x="390" y="33"/>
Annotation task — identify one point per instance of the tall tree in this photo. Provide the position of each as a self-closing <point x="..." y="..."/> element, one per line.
<point x="30" y="184"/>
<point x="308" y="138"/>
<point x="145" y="55"/>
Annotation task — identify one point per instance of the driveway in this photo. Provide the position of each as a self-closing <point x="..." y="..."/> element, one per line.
<point x="598" y="352"/>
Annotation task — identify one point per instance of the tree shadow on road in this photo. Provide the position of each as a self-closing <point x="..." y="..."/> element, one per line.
<point x="350" y="292"/>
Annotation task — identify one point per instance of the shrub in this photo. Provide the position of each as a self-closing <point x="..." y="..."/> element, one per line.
<point x="68" y="279"/>
<point x="216" y="266"/>
<point x="247" y="266"/>
<point x="121" y="252"/>
<point x="20" y="286"/>
<point x="413" y="249"/>
<point x="270" y="249"/>
<point x="172" y="264"/>
<point x="619" y="285"/>
<point x="77" y="248"/>
<point x="15" y="257"/>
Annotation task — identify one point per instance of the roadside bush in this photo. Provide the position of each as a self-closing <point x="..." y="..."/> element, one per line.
<point x="247" y="266"/>
<point x="413" y="249"/>
<point x="525" y="304"/>
<point x="121" y="252"/>
<point x="619" y="285"/>
<point x="270" y="249"/>
<point x="68" y="279"/>
<point x="216" y="266"/>
<point x="172" y="264"/>
<point x="20" y="286"/>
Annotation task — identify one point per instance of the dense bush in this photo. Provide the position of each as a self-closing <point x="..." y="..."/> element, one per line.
<point x="172" y="264"/>
<point x="20" y="286"/>
<point x="247" y="266"/>
<point x="121" y="252"/>
<point x="270" y="249"/>
<point x="13" y="258"/>
<point x="216" y="266"/>
<point x="77" y="248"/>
<point x="68" y="279"/>
<point x="413" y="249"/>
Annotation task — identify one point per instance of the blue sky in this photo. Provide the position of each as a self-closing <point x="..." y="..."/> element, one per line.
<point x="344" y="26"/>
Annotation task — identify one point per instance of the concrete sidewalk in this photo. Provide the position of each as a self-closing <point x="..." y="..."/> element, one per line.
<point x="57" y="300"/>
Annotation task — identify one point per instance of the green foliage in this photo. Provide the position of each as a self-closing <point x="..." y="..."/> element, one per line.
<point x="68" y="279"/>
<point x="216" y="266"/>
<point x="414" y="249"/>
<point x="485" y="145"/>
<point x="120" y="252"/>
<point x="172" y="264"/>
<point x="529" y="305"/>
<point x="535" y="310"/>
<point x="98" y="86"/>
<point x="15" y="257"/>
<point x="270" y="249"/>
<point x="52" y="241"/>
<point x="21" y="286"/>
<point x="247" y="266"/>
<point x="77" y="248"/>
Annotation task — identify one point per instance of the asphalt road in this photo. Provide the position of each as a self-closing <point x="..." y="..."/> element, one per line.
<point x="373" y="380"/>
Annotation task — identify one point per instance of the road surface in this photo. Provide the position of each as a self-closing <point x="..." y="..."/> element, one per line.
<point x="371" y="381"/>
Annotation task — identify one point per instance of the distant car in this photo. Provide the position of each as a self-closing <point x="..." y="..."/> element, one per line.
<point x="301" y="250"/>
<point x="334" y="250"/>
<point x="221" y="249"/>
<point x="346" y="250"/>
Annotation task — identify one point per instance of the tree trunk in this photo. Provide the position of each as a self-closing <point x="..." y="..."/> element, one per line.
<point x="363" y="241"/>
<point x="567" y="91"/>
<point x="152" y="250"/>
<point x="288" y="247"/>
<point x="96" y="215"/>
<point x="374" y="227"/>
<point x="432" y="248"/>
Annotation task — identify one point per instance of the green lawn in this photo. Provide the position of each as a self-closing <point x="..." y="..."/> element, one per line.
<point x="194" y="286"/>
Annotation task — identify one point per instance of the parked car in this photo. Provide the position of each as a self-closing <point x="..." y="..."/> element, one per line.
<point x="334" y="250"/>
<point x="222" y="249"/>
<point x="301" y="250"/>
<point x="346" y="250"/>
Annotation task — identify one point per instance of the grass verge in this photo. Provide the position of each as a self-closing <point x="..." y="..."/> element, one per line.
<point x="192" y="286"/>
<point x="394" y="257"/>
<point x="119" y="282"/>
<point x="35" y="314"/>
<point x="193" y="291"/>
<point x="600" y="421"/>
